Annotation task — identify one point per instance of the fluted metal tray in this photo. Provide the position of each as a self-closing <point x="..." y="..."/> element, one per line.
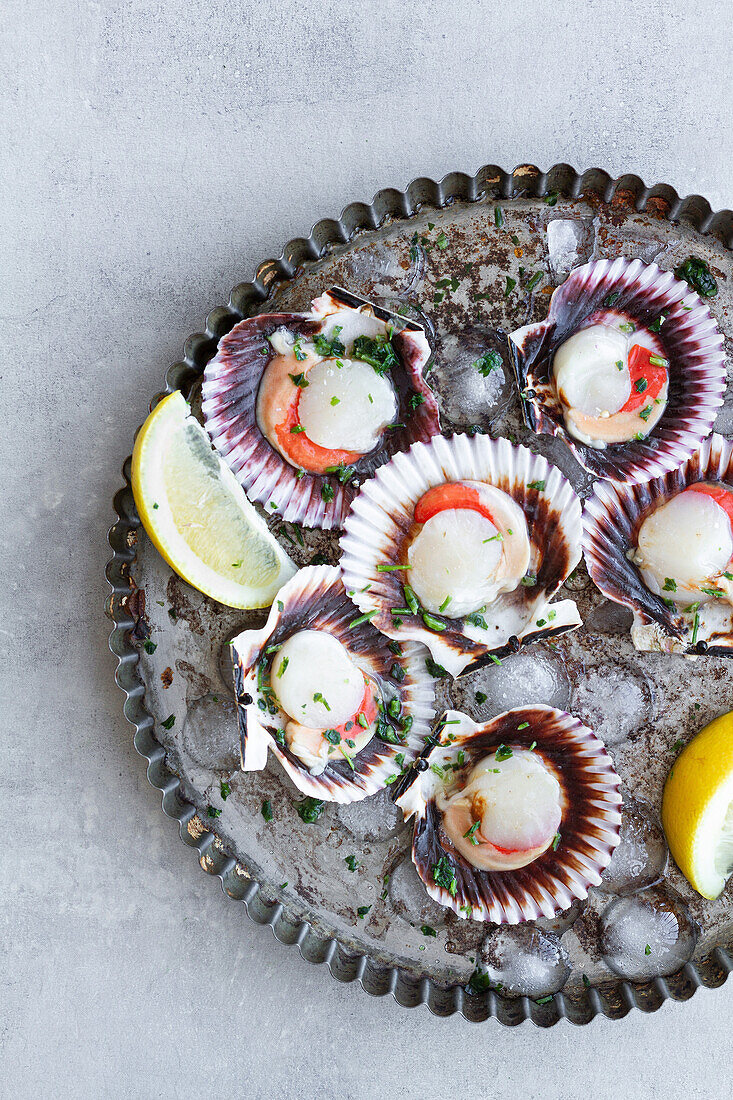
<point x="442" y="252"/>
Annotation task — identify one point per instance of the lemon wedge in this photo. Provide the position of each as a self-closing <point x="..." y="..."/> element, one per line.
<point x="197" y="515"/>
<point x="697" y="808"/>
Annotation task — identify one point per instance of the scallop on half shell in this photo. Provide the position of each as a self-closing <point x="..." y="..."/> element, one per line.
<point x="342" y="708"/>
<point x="628" y="368"/>
<point x="515" y="818"/>
<point x="303" y="406"/>
<point x="461" y="544"/>
<point x="664" y="549"/>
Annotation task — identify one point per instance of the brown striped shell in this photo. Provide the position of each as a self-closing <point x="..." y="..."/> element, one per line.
<point x="693" y="346"/>
<point x="589" y="830"/>
<point x="381" y="522"/>
<point x="231" y="385"/>
<point x="611" y="521"/>
<point x="315" y="599"/>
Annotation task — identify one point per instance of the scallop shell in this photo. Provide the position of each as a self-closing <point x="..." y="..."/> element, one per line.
<point x="316" y="599"/>
<point x="611" y="522"/>
<point x="382" y="516"/>
<point x="231" y="383"/>
<point x="693" y="346"/>
<point x="589" y="830"/>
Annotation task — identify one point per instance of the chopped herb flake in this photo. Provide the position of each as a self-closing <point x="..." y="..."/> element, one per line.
<point x="444" y="875"/>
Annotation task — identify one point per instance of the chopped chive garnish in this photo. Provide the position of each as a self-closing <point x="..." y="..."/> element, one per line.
<point x="498" y="217"/>
<point x="327" y="492"/>
<point x="556" y="842"/>
<point x="640" y="385"/>
<point x="411" y="599"/>
<point x="669" y="585"/>
<point x="658" y="361"/>
<point x="266" y="810"/>
<point x="646" y="412"/>
<point x="538" y="485"/>
<point x="536" y="278"/>
<point x="299" y="380"/>
<point x="362" y="911"/>
<point x="470" y="834"/>
<point x="432" y="623"/>
<point x="366" y="618"/>
<point x="149" y="647"/>
<point x="627" y="327"/>
<point x="510" y="284"/>
<point x="447" y="599"/>
<point x="481" y="697"/>
<point x="503" y="753"/>
<point x="523" y="726"/>
<point x="391" y="568"/>
<point x="552" y="198"/>
<point x="444" y="875"/>
<point x="620" y="364"/>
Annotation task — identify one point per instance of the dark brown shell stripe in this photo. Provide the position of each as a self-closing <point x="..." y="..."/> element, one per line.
<point x="315" y="599"/>
<point x="589" y="829"/>
<point x="692" y="343"/>
<point x="614" y="999"/>
<point x="231" y="383"/>
<point x="611" y="521"/>
<point x="381" y="525"/>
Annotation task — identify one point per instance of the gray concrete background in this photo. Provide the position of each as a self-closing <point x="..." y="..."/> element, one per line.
<point x="152" y="154"/>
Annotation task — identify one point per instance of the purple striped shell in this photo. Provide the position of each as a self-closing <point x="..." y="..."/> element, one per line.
<point x="381" y="522"/>
<point x="692" y="343"/>
<point x="231" y="384"/>
<point x="611" y="522"/>
<point x="316" y="599"/>
<point x="589" y="829"/>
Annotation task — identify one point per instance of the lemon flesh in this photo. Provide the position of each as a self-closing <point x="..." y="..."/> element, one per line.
<point x="697" y="808"/>
<point x="197" y="515"/>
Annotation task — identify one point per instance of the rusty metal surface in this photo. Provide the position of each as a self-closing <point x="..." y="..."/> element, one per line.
<point x="437" y="253"/>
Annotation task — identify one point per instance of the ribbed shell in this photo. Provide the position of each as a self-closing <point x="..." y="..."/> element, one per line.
<point x="231" y="383"/>
<point x="693" y="346"/>
<point x="382" y="518"/>
<point x="611" y="522"/>
<point x="589" y="830"/>
<point x="316" y="599"/>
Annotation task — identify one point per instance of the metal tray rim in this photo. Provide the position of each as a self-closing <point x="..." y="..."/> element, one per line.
<point x="613" y="1000"/>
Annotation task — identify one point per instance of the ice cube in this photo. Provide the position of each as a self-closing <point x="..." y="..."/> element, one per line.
<point x="210" y="734"/>
<point x="641" y="856"/>
<point x="609" y="618"/>
<point x="375" y="818"/>
<point x="613" y="700"/>
<point x="647" y="935"/>
<point x="470" y="377"/>
<point x="564" y="239"/>
<point x="410" y="898"/>
<point x="525" y="960"/>
<point x="530" y="676"/>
